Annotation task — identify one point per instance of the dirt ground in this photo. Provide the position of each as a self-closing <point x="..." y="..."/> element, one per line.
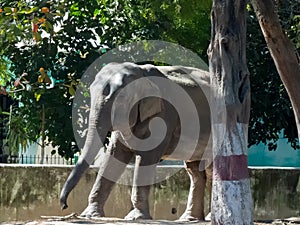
<point x="73" y="220"/>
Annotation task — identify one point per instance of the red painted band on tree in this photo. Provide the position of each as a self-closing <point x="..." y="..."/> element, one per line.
<point x="231" y="168"/>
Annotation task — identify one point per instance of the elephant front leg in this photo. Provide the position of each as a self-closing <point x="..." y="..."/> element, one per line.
<point x="113" y="164"/>
<point x="195" y="203"/>
<point x="97" y="198"/>
<point x="140" y="203"/>
<point x="143" y="178"/>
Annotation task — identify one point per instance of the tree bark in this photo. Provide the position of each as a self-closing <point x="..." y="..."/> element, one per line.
<point x="231" y="194"/>
<point x="282" y="51"/>
<point x="43" y="135"/>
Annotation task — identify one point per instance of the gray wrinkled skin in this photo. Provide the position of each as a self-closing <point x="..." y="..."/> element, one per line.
<point x="108" y="83"/>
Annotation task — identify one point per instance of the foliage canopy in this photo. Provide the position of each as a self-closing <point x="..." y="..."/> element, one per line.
<point x="49" y="45"/>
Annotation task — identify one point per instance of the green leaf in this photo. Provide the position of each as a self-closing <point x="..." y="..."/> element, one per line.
<point x="96" y="12"/>
<point x="49" y="26"/>
<point x="5" y="113"/>
<point x="72" y="90"/>
<point x="38" y="36"/>
<point x="37" y="96"/>
<point x="7" y="10"/>
<point x="34" y="9"/>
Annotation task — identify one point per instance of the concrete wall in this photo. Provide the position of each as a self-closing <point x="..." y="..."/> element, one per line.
<point x="28" y="191"/>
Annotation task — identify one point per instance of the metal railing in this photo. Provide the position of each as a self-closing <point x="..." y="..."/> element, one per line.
<point x="36" y="159"/>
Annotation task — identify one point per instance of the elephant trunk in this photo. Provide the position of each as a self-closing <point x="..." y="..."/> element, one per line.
<point x="71" y="182"/>
<point x="97" y="132"/>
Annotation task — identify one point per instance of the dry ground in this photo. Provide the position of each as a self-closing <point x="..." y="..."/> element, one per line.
<point x="113" y="221"/>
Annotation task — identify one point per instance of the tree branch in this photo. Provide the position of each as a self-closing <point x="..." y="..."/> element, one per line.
<point x="282" y="51"/>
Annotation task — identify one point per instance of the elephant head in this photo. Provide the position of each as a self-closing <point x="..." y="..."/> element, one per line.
<point x="109" y="99"/>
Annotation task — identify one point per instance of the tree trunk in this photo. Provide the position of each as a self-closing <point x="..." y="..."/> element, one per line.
<point x="43" y="136"/>
<point x="282" y="50"/>
<point x="231" y="194"/>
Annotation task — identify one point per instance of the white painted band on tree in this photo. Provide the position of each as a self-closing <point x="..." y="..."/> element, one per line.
<point x="233" y="203"/>
<point x="230" y="143"/>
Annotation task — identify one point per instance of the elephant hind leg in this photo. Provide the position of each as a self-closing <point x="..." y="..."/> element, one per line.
<point x="195" y="205"/>
<point x="113" y="163"/>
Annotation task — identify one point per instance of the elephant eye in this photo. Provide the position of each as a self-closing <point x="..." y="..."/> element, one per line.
<point x="106" y="90"/>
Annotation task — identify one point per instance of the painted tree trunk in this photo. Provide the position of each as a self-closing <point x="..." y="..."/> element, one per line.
<point x="283" y="52"/>
<point x="231" y="194"/>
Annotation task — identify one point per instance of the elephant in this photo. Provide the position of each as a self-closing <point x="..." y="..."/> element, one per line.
<point x="114" y="90"/>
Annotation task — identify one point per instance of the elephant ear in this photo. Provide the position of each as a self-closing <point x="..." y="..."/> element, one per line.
<point x="138" y="89"/>
<point x="141" y="93"/>
<point x="149" y="107"/>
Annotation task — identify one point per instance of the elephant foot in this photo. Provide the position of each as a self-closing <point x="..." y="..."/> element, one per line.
<point x="186" y="217"/>
<point x="92" y="211"/>
<point x="208" y="217"/>
<point x="137" y="214"/>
